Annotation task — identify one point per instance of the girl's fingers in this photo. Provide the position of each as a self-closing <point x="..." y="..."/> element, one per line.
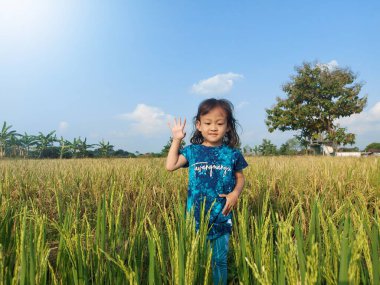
<point x="227" y="207"/>
<point x="226" y="210"/>
<point x="178" y="122"/>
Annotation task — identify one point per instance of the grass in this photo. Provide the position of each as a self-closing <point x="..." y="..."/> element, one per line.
<point x="300" y="220"/>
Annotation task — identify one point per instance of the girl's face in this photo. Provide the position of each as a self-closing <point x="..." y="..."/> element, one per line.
<point x="213" y="126"/>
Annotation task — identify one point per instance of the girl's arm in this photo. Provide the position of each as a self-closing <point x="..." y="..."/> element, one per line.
<point x="239" y="182"/>
<point x="232" y="198"/>
<point x="174" y="159"/>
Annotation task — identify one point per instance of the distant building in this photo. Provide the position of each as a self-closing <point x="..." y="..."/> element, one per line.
<point x="321" y="147"/>
<point x="355" y="154"/>
<point x="327" y="150"/>
<point x="372" y="151"/>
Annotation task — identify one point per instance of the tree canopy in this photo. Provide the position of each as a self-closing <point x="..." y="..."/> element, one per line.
<point x="317" y="96"/>
<point x="165" y="149"/>
<point x="375" y="145"/>
<point x="267" y="148"/>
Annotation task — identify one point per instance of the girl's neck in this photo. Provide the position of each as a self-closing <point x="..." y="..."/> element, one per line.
<point x="208" y="144"/>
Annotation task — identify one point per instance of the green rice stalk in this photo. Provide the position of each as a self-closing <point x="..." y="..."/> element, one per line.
<point x="300" y="251"/>
<point x="152" y="254"/>
<point x="375" y="237"/>
<point x="311" y="276"/>
<point x="261" y="276"/>
<point x="344" y="252"/>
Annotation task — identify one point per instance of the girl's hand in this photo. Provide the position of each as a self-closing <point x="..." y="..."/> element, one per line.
<point x="231" y="201"/>
<point x="178" y="129"/>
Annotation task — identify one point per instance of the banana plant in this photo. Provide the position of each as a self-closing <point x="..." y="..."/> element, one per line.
<point x="26" y="142"/>
<point x="105" y="149"/>
<point x="64" y="147"/>
<point x="14" y="145"/>
<point x="45" y="141"/>
<point x="80" y="147"/>
<point x="5" y="136"/>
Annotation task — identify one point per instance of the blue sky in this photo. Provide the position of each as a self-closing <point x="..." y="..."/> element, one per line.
<point x="119" y="70"/>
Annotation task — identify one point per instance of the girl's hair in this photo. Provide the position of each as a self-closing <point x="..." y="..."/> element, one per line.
<point x="231" y="138"/>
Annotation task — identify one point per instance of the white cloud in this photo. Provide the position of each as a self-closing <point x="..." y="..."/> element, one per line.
<point x="63" y="126"/>
<point x="332" y="65"/>
<point x="365" y="122"/>
<point x="147" y="120"/>
<point x="218" y="84"/>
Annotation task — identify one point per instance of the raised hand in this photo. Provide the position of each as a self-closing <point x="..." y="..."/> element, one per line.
<point x="178" y="129"/>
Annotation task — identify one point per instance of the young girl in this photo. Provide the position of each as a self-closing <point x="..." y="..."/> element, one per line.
<point x="215" y="173"/>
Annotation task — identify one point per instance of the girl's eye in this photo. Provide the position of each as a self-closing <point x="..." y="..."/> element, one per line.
<point x="207" y="123"/>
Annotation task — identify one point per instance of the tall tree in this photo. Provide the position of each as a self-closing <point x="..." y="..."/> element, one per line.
<point x="267" y="148"/>
<point x="317" y="96"/>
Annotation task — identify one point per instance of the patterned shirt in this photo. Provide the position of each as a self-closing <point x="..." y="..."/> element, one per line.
<point x="212" y="172"/>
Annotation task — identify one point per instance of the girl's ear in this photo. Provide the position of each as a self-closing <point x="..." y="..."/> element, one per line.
<point x="198" y="125"/>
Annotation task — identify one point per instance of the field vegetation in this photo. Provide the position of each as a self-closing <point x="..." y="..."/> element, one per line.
<point x="300" y="220"/>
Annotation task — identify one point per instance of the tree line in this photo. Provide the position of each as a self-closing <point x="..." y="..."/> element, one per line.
<point x="294" y="146"/>
<point x="13" y="144"/>
<point x="48" y="145"/>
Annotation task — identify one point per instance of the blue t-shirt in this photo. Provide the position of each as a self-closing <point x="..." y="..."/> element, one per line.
<point x="212" y="172"/>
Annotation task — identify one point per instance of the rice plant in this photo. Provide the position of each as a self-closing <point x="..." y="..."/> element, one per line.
<point x="300" y="220"/>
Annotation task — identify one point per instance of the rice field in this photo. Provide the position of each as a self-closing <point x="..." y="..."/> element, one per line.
<point x="300" y="220"/>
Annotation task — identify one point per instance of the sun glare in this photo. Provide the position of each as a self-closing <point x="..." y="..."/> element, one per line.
<point x="27" y="25"/>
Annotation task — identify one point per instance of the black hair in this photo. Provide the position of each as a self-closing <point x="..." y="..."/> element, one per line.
<point x="231" y="138"/>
